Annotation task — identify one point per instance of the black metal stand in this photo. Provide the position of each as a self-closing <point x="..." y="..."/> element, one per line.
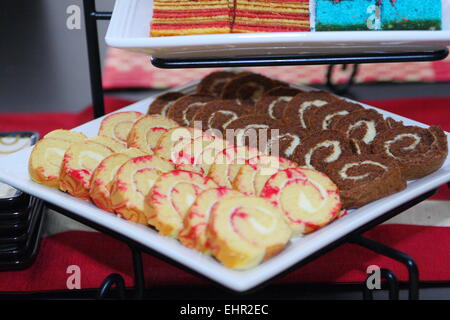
<point x="91" y="18"/>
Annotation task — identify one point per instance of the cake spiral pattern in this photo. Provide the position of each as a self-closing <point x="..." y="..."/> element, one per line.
<point x="184" y="109"/>
<point x="323" y="118"/>
<point x="322" y="148"/>
<point x="174" y="140"/>
<point x="308" y="198"/>
<point x="162" y="103"/>
<point x="245" y="231"/>
<point x="214" y="82"/>
<point x="417" y="151"/>
<point x="253" y="175"/>
<point x="171" y="197"/>
<point x="147" y="131"/>
<point x="132" y="183"/>
<point x="247" y="88"/>
<point x="297" y="110"/>
<point x="249" y="130"/>
<point x="365" y="178"/>
<point x="103" y="176"/>
<point x="79" y="162"/>
<point x="284" y="141"/>
<point x="193" y="233"/>
<point x="362" y="126"/>
<point x="273" y="102"/>
<point x="118" y="125"/>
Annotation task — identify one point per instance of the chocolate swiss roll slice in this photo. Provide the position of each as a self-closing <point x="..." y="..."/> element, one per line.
<point x="273" y="102"/>
<point x="365" y="178"/>
<point x="283" y="141"/>
<point x="363" y="126"/>
<point x="323" y="118"/>
<point x="297" y="109"/>
<point x="250" y="130"/>
<point x="417" y="151"/>
<point x="163" y="102"/>
<point x="218" y="114"/>
<point x="247" y="88"/>
<point x="214" y="82"/>
<point x="322" y="148"/>
<point x="183" y="110"/>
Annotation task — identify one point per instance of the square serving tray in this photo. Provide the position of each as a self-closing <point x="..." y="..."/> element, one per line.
<point x="129" y="29"/>
<point x="14" y="171"/>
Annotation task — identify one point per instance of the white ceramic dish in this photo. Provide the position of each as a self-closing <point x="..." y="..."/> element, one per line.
<point x="130" y="28"/>
<point x="13" y="170"/>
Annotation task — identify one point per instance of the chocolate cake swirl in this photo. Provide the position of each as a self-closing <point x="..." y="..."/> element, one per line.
<point x="324" y="117"/>
<point x="218" y="114"/>
<point x="163" y="102"/>
<point x="297" y="110"/>
<point x="273" y="102"/>
<point x="365" y="178"/>
<point x="214" y="82"/>
<point x="363" y="126"/>
<point x="184" y="109"/>
<point x="284" y="142"/>
<point x="417" y="151"/>
<point x="247" y="88"/>
<point x="322" y="148"/>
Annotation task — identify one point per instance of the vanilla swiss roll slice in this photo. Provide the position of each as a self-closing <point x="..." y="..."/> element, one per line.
<point x="146" y="132"/>
<point x="103" y="176"/>
<point x="322" y="148"/>
<point x="245" y="231"/>
<point x="47" y="155"/>
<point x="214" y="82"/>
<point x="114" y="144"/>
<point x="200" y="153"/>
<point x="174" y="140"/>
<point x="132" y="183"/>
<point x="296" y="111"/>
<point x="163" y="102"/>
<point x="118" y="125"/>
<point x="79" y="162"/>
<point x="364" y="178"/>
<point x="308" y="198"/>
<point x="363" y="126"/>
<point x="273" y="102"/>
<point x="228" y="162"/>
<point x="253" y="176"/>
<point x="417" y="151"/>
<point x="193" y="234"/>
<point x="171" y="197"/>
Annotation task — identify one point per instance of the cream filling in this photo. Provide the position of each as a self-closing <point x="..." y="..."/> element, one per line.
<point x="328" y="118"/>
<point x="273" y="104"/>
<point x="233" y="116"/>
<point x="186" y="110"/>
<point x="306" y="105"/>
<point x="256" y="224"/>
<point x="370" y="133"/>
<point x="343" y="172"/>
<point x="332" y="157"/>
<point x="243" y="132"/>
<point x="166" y="107"/>
<point x="289" y="150"/>
<point x="86" y="156"/>
<point x="412" y="146"/>
<point x="49" y="158"/>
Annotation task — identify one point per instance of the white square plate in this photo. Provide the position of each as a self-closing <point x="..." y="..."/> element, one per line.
<point x="130" y="29"/>
<point x="14" y="171"/>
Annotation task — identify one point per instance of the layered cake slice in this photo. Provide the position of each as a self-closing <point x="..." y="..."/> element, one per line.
<point x="271" y="16"/>
<point x="183" y="17"/>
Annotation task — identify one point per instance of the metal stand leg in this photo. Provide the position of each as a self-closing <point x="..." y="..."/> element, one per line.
<point x="392" y="285"/>
<point x="112" y="279"/>
<point x="341" y="89"/>
<point x="401" y="257"/>
<point x="139" y="280"/>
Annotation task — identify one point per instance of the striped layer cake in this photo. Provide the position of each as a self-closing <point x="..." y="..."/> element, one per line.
<point x="271" y="16"/>
<point x="183" y="17"/>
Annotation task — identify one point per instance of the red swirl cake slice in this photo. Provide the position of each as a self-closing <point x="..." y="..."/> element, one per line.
<point x="271" y="16"/>
<point x="183" y="17"/>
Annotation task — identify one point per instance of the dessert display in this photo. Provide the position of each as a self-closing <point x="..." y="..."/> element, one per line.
<point x="244" y="231"/>
<point x="132" y="182"/>
<point x="417" y="151"/>
<point x="171" y="197"/>
<point x="146" y="132"/>
<point x="193" y="234"/>
<point x="308" y="198"/>
<point x="184" y="109"/>
<point x="103" y="176"/>
<point x="364" y="178"/>
<point x="269" y="163"/>
<point x="163" y="102"/>
<point x="118" y="125"/>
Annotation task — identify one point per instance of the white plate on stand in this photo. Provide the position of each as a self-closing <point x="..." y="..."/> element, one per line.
<point x="130" y="29"/>
<point x="14" y="171"/>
